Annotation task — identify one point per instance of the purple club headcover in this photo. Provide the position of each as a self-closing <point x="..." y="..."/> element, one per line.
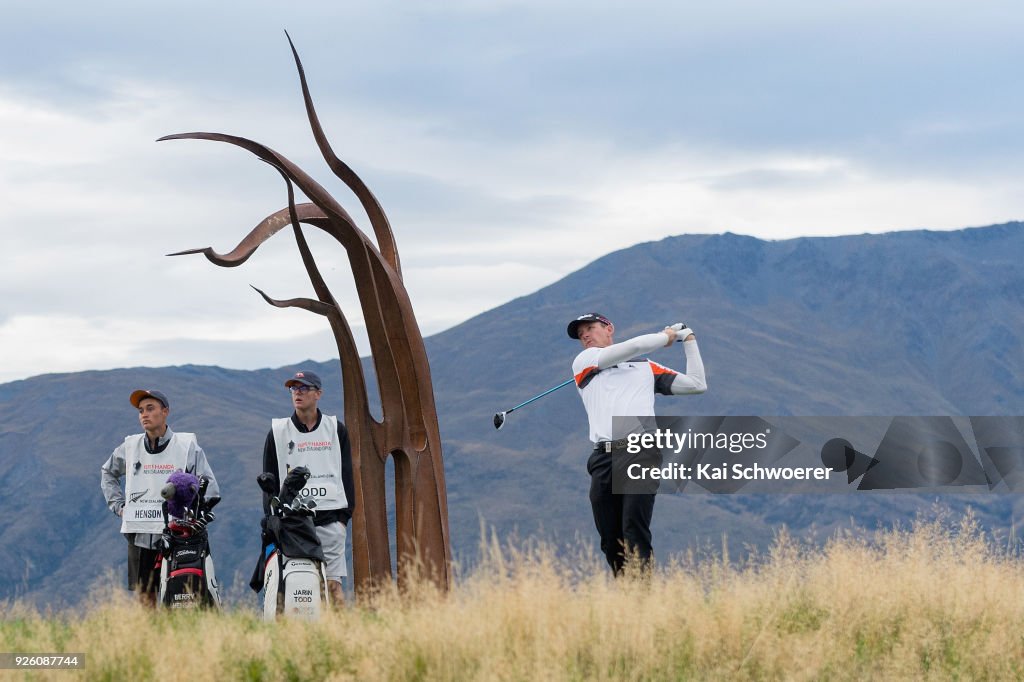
<point x="180" y="493"/>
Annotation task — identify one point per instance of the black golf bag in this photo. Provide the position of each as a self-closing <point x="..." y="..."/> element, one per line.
<point x="291" y="570"/>
<point x="187" y="577"/>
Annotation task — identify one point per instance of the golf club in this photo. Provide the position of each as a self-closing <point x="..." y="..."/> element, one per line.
<point x="499" y="417"/>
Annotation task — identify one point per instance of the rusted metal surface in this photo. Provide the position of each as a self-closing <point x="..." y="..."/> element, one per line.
<point x="408" y="431"/>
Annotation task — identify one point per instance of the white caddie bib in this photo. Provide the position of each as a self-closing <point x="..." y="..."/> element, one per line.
<point x="145" y="475"/>
<point x="320" y="452"/>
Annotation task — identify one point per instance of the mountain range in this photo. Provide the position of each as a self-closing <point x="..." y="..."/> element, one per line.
<point x="903" y="323"/>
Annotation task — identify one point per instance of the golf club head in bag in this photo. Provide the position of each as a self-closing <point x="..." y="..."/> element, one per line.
<point x="303" y="504"/>
<point x="267" y="483"/>
<point x="294" y="482"/>
<point x="181" y="494"/>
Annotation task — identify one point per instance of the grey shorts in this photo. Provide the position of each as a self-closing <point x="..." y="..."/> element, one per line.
<point x="332" y="539"/>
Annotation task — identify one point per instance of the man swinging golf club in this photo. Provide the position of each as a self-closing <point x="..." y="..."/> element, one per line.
<point x="610" y="385"/>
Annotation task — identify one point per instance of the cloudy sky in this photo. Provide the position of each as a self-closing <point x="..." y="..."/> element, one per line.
<point x="511" y="142"/>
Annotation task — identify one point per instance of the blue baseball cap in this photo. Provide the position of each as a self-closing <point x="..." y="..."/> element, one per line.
<point x="583" y="319"/>
<point x="304" y="378"/>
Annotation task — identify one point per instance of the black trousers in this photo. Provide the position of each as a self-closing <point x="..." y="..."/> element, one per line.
<point x="623" y="520"/>
<point x="143" y="574"/>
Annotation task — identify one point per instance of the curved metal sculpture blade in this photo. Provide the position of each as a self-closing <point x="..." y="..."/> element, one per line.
<point x="267" y="228"/>
<point x="408" y="431"/>
<point x="379" y="221"/>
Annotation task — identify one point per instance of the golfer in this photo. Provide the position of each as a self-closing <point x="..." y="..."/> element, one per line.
<point x="318" y="442"/>
<point x="610" y="386"/>
<point x="145" y="460"/>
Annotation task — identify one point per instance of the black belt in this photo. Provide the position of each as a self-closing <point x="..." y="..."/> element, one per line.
<point x="609" y="445"/>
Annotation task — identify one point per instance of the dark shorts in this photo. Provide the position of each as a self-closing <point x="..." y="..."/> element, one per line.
<point x="143" y="572"/>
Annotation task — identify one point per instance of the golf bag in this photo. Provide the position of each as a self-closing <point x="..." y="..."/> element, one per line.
<point x="291" y="570"/>
<point x="187" y="577"/>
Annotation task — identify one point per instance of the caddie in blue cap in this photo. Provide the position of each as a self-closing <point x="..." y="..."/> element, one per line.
<point x="320" y="443"/>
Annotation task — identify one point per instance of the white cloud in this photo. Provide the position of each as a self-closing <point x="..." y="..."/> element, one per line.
<point x="510" y="144"/>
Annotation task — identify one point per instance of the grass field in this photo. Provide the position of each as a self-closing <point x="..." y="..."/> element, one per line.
<point x="935" y="601"/>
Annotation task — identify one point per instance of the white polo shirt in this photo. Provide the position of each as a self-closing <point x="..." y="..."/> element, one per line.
<point x="626" y="389"/>
<point x="612" y="385"/>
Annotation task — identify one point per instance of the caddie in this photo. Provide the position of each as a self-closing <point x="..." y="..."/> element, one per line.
<point x="318" y="442"/>
<point x="145" y="460"/>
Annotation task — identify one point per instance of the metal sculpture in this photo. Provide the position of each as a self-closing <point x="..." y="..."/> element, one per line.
<point x="408" y="431"/>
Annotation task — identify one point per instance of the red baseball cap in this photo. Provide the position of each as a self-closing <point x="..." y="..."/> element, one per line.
<point x="141" y="394"/>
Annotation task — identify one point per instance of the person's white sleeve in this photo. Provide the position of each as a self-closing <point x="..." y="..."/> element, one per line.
<point x="110" y="479"/>
<point x="693" y="381"/>
<point x="201" y="467"/>
<point x="584" y="365"/>
<point x="620" y="352"/>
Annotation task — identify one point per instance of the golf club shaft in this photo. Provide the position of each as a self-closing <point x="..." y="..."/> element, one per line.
<point x="538" y="397"/>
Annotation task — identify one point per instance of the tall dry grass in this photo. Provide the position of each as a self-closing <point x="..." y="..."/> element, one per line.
<point x="935" y="601"/>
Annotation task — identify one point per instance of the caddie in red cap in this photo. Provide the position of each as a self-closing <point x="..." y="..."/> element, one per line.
<point x="145" y="460"/>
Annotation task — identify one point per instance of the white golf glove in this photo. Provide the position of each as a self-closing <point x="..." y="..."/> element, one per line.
<point x="682" y="331"/>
